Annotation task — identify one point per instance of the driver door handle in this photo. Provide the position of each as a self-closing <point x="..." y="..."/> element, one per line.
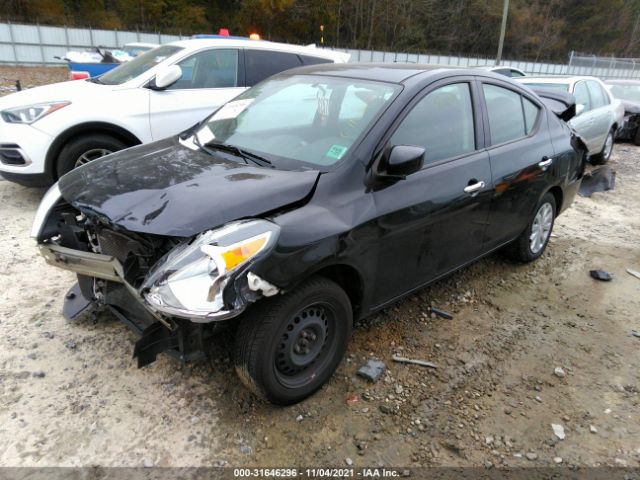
<point x="474" y="187"/>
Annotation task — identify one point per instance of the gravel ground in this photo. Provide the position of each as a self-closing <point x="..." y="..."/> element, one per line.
<point x="529" y="346"/>
<point x="30" y="77"/>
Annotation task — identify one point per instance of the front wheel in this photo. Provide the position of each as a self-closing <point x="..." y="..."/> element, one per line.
<point x="288" y="346"/>
<point x="531" y="243"/>
<point x="603" y="157"/>
<point x="85" y="149"/>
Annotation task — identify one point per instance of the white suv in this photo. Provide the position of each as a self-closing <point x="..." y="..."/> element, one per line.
<point x="47" y="131"/>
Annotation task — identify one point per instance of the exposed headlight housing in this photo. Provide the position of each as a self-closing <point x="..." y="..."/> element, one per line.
<point x="31" y="113"/>
<point x="189" y="281"/>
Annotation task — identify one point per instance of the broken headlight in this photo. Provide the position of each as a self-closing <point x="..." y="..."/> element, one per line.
<point x="189" y="280"/>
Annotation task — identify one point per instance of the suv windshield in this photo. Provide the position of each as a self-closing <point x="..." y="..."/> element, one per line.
<point x="299" y="121"/>
<point x="131" y="69"/>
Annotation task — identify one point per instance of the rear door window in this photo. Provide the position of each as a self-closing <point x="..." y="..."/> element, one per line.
<point x="598" y="98"/>
<point x="506" y="116"/>
<point x="261" y="64"/>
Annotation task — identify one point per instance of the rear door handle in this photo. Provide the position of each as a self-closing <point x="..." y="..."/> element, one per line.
<point x="474" y="187"/>
<point x="545" y="163"/>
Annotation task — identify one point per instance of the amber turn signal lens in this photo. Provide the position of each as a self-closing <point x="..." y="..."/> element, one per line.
<point x="243" y="251"/>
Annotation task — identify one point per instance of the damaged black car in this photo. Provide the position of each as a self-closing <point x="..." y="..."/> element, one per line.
<point x="313" y="199"/>
<point x="628" y="92"/>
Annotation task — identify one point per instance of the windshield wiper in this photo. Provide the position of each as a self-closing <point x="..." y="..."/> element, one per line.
<point x="238" y="152"/>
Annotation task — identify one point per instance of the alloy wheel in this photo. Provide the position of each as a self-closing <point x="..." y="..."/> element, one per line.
<point x="608" y="146"/>
<point x="90" y="155"/>
<point x="541" y="228"/>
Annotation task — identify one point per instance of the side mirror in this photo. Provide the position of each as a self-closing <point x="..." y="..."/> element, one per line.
<point x="166" y="77"/>
<point x="401" y="160"/>
<point x="579" y="109"/>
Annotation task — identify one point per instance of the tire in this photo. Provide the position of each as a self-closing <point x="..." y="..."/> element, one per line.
<point x="636" y="136"/>
<point x="603" y="157"/>
<point x="521" y="249"/>
<point x="271" y="356"/>
<point x="86" y="148"/>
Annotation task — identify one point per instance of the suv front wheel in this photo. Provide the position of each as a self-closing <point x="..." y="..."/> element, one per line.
<point x="288" y="346"/>
<point x="84" y="149"/>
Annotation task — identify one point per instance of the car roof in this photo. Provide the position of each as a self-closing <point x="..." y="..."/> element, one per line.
<point x="388" y="72"/>
<point x="622" y="82"/>
<point x="556" y="78"/>
<point x="199" y="43"/>
<point x="141" y="44"/>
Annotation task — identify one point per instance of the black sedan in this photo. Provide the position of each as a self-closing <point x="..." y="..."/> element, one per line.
<point x="315" y="198"/>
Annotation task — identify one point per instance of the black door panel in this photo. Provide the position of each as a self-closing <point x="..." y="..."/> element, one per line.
<point x="522" y="166"/>
<point x="429" y="225"/>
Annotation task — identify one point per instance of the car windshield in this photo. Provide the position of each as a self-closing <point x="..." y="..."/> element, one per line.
<point x="300" y="121"/>
<point x="626" y="92"/>
<point x="131" y="69"/>
<point x="563" y="87"/>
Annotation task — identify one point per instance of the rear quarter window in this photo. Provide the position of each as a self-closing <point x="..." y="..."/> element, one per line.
<point x="261" y="64"/>
<point x="309" y="60"/>
<point x="531" y="112"/>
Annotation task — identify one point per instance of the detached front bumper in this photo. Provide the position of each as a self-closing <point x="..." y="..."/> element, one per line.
<point x="106" y="267"/>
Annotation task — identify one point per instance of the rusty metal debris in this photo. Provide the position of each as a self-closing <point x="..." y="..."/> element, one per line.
<point x="635" y="273"/>
<point x="441" y="313"/>
<point x="422" y="363"/>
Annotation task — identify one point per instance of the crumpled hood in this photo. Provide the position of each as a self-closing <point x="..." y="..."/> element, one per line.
<point x="165" y="188"/>
<point x="63" y="91"/>
<point x="631" y="107"/>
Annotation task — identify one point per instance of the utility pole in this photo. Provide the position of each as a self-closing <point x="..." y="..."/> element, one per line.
<point x="503" y="28"/>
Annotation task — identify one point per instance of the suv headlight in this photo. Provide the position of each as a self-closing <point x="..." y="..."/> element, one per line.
<point x="31" y="113"/>
<point x="189" y="280"/>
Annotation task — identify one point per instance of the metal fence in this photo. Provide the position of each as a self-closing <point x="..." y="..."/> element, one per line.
<point x="628" y="66"/>
<point x="39" y="45"/>
<point x="602" y="67"/>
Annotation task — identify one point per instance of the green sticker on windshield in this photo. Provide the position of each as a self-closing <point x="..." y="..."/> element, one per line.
<point x="336" y="152"/>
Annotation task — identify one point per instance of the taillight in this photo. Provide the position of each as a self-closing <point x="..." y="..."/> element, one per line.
<point x="78" y="75"/>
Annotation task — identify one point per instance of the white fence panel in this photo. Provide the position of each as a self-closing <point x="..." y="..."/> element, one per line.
<point x="80" y="37"/>
<point x="33" y="44"/>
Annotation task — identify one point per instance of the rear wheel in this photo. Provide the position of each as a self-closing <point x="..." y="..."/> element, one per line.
<point x="288" y="346"/>
<point x="636" y="136"/>
<point x="603" y="157"/>
<point x="86" y="148"/>
<point x="531" y="243"/>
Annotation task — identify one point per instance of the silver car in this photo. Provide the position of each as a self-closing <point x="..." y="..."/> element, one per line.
<point x="598" y="114"/>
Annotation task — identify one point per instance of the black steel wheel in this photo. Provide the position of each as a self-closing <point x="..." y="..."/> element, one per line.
<point x="288" y="346"/>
